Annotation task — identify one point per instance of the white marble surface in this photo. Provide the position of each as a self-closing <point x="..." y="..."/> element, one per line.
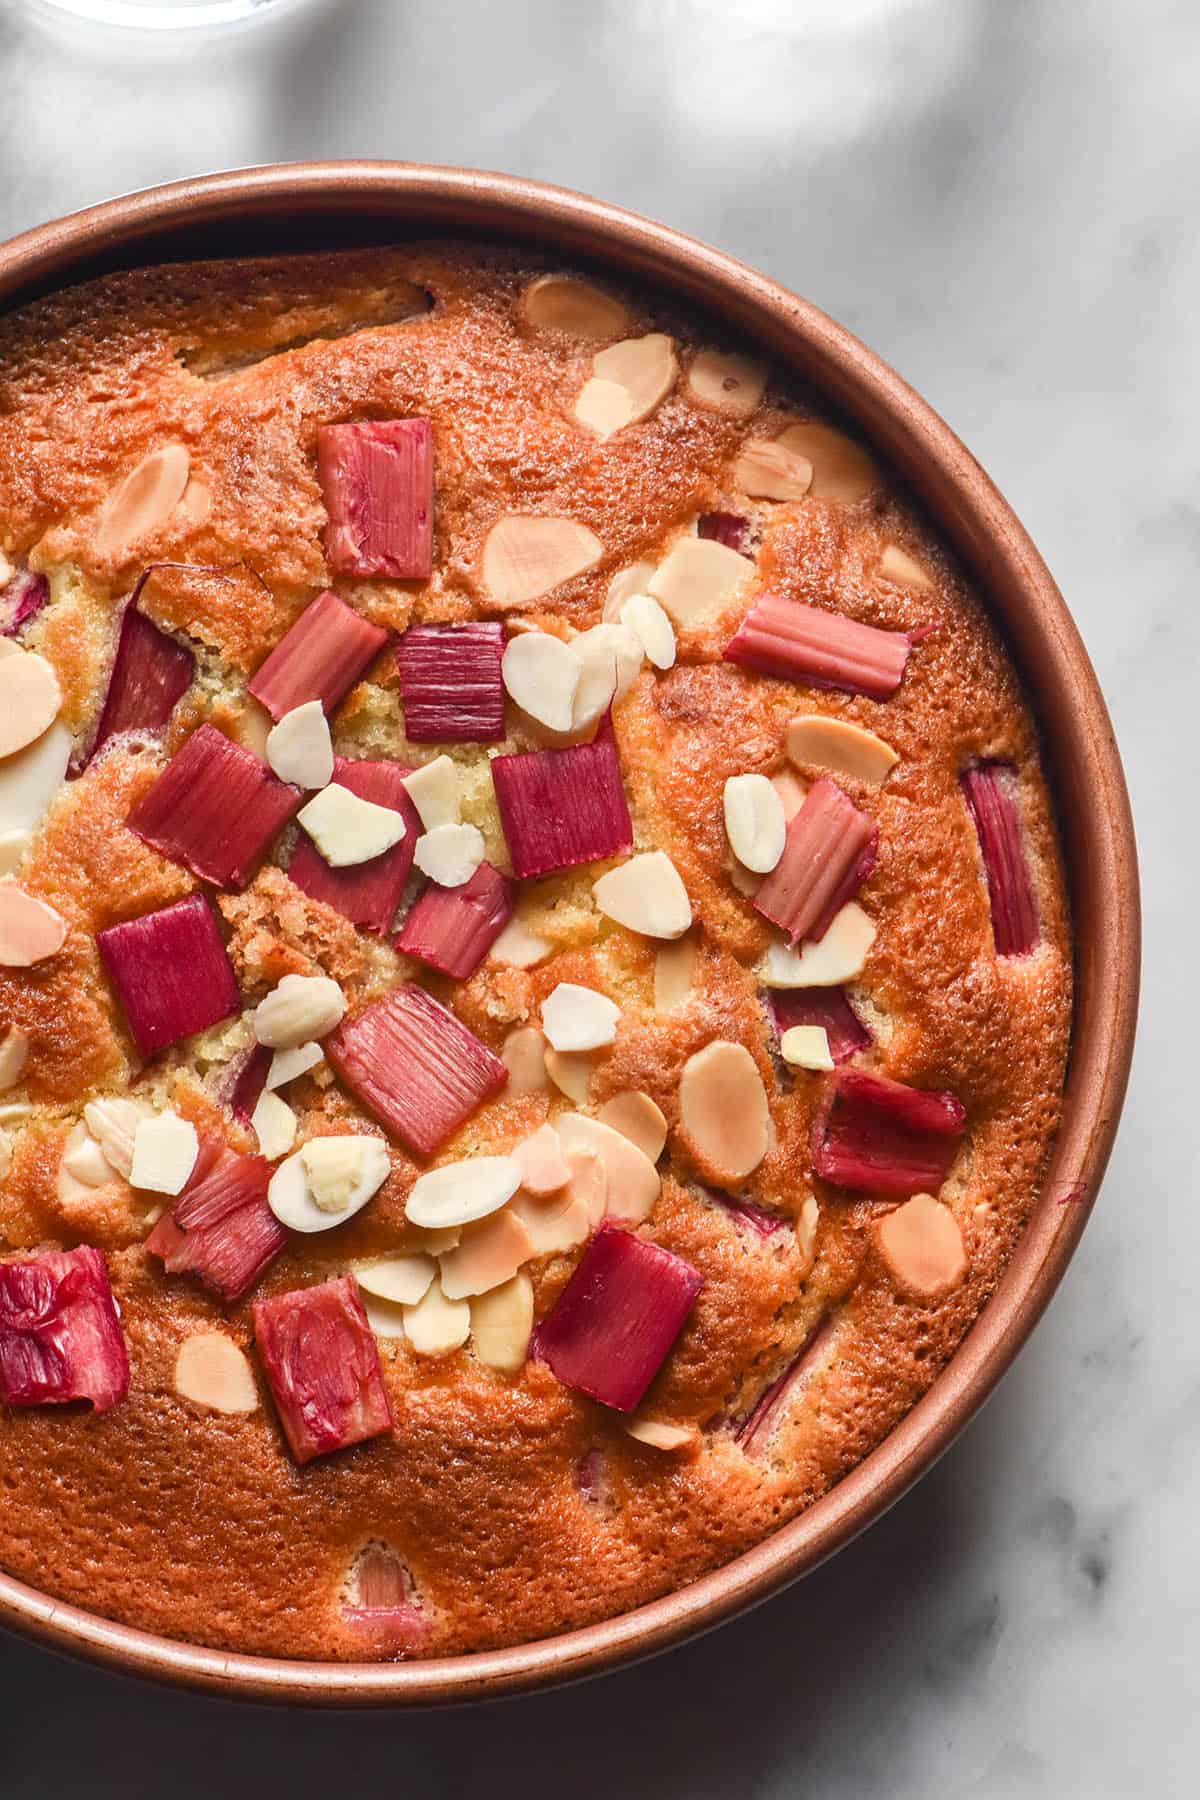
<point x="999" y="195"/>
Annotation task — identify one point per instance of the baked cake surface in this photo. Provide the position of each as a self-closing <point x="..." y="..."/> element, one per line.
<point x="785" y="1246"/>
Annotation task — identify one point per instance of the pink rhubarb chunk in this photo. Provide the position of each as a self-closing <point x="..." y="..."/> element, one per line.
<point x="22" y="599"/>
<point x="377" y="483"/>
<point x="215" y="808"/>
<point x="823" y="649"/>
<point x="323" y="1366"/>
<point x="828" y="853"/>
<point x="385" y="1609"/>
<point x="450" y="683"/>
<point x="60" y="1337"/>
<point x="365" y="893"/>
<point x="150" y="675"/>
<point x="723" y="528"/>
<point x="562" y="807"/>
<point x="882" y="1137"/>
<point x="758" y="1219"/>
<point x="418" y="1068"/>
<point x="244" y="1082"/>
<point x="452" y="929"/>
<point x="612" y="1327"/>
<point x="989" y="790"/>
<point x="830" y="1009"/>
<point x="326" y="651"/>
<point x="171" y="972"/>
<point x="754" y="1433"/>
<point x="222" y="1230"/>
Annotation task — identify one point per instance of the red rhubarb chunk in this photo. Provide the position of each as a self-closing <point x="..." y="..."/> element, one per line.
<point x="60" y="1337"/>
<point x="754" y="1432"/>
<point x="150" y="675"/>
<point x="365" y="893"/>
<point x="562" y="807"/>
<point x="450" y="683"/>
<point x="883" y="1137"/>
<point x="610" y="1330"/>
<point x="723" y="528"/>
<point x="989" y="792"/>
<point x="384" y="1607"/>
<point x="323" y="1366"/>
<point x="418" y="1068"/>
<point x="245" y="1080"/>
<point x="377" y="483"/>
<point x="171" y="972"/>
<point x="758" y="1219"/>
<point x="830" y="1010"/>
<point x="21" y="599"/>
<point x="320" y="658"/>
<point x="828" y="853"/>
<point x="222" y="1230"/>
<point x="823" y="649"/>
<point x="215" y="808"/>
<point x="452" y="929"/>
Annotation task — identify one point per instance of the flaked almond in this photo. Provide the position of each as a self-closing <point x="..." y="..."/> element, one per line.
<point x="327" y="1181"/>
<point x="613" y="637"/>
<point x="525" y="556"/>
<point x="489" y="1255"/>
<point x="518" y="947"/>
<point x="449" y="854"/>
<point x="30" y="779"/>
<point x="286" y="1065"/>
<point x="624" y="584"/>
<point x="211" y="1371"/>
<point x="674" y="968"/>
<point x="385" y="1317"/>
<point x="574" y="308"/>
<point x="434" y="791"/>
<point x="731" y="384"/>
<point x="647" y="895"/>
<point x="113" y="1124"/>
<point x="83" y="1164"/>
<point x="654" y="631"/>
<point x="629" y="380"/>
<point x="14" y="848"/>
<point x="459" y="1192"/>
<point x="196" y="504"/>
<point x="698" y="580"/>
<point x="604" y="407"/>
<point x="541" y="674"/>
<point x="501" y="1324"/>
<point x="837" y="957"/>
<point x="299" y="748"/>
<point x="5" y="1154"/>
<point x="635" y="1115"/>
<point x="754" y="822"/>
<point x="632" y="1179"/>
<point x="723" y="1110"/>
<point x="842" y="470"/>
<point x="806" y="1227"/>
<point x="14" y="1054"/>
<point x="254" y="727"/>
<point x="30" y="931"/>
<point x="523" y="1054"/>
<point x="539" y="1157"/>
<point x="274" y="1125"/>
<point x="402" y="1280"/>
<point x="662" y="1436"/>
<point x="436" y="1325"/>
<point x="598" y="675"/>
<point x="300" y="1008"/>
<point x="348" y="830"/>
<point x="141" y="502"/>
<point x="571" y="1072"/>
<point x="567" y="1219"/>
<point x="791" y="792"/>
<point x="806" y="1047"/>
<point x="578" y="1018"/>
<point x="898" y="566"/>
<point x="30" y="698"/>
<point x="922" y="1246"/>
<point x="588" y="1185"/>
<point x="165" y="1149"/>
<point x="767" y="470"/>
<point x="814" y="741"/>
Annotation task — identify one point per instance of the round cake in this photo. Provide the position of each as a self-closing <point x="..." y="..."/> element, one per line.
<point x="535" y="974"/>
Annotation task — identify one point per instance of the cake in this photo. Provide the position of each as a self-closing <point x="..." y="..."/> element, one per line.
<point x="535" y="973"/>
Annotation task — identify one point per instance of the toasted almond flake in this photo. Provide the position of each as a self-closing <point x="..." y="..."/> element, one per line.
<point x="754" y="822"/>
<point x="385" y="1317"/>
<point x="275" y="1126"/>
<point x="14" y="848"/>
<point x="635" y="1115"/>
<point x="165" y="1149"/>
<point x="525" y="556"/>
<point x="837" y="957"/>
<point x="15" y="1112"/>
<point x="698" y="579"/>
<point x="653" y="629"/>
<point x="662" y="1436"/>
<point x="769" y="471"/>
<point x="489" y="1255"/>
<point x="576" y="308"/>
<point x="30" y="931"/>
<point x="83" y="1164"/>
<point x="544" y="1168"/>
<point x="842" y="470"/>
<point x="624" y="584"/>
<point x="733" y="384"/>
<point x="791" y="792"/>
<point x="436" y="1326"/>
<point x="523" y="1054"/>
<point x="598" y="675"/>
<point x="723" y="1110"/>
<point x="450" y="854"/>
<point x="303" y="1190"/>
<point x="141" y="502"/>
<point x="459" y="1192"/>
<point x="579" y="1018"/>
<point x="210" y="1370"/>
<point x="814" y="741"/>
<point x="647" y="895"/>
<point x="588" y="1186"/>
<point x="348" y="830"/>
<point x="604" y="407"/>
<point x="674" y="968"/>
<point x="501" y="1324"/>
<point x="806" y="1047"/>
<point x="898" y="566"/>
<point x="402" y="1280"/>
<point x="9" y="647"/>
<point x="568" y="1219"/>
<point x="31" y="778"/>
<point x="14" y="1054"/>
<point x="571" y="1072"/>
<point x="632" y="1179"/>
<point x="299" y="748"/>
<point x="921" y="1244"/>
<point x="434" y="791"/>
<point x="30" y="698"/>
<point x="113" y="1124"/>
<point x="436" y="1241"/>
<point x="286" y="1065"/>
<point x="641" y="369"/>
<point x="301" y="1007"/>
<point x="196" y="504"/>
<point x="519" y="948"/>
<point x="254" y="727"/>
<point x="541" y="674"/>
<point x="806" y="1226"/>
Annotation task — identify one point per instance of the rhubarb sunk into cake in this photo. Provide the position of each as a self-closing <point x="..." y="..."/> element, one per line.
<point x="535" y="974"/>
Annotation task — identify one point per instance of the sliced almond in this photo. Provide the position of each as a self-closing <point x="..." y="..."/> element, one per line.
<point x="254" y="727"/>
<point x="344" y="1172"/>
<point x="604" y="407"/>
<point x="842" y="470"/>
<point x="83" y="1164"/>
<point x="30" y="778"/>
<point x="598" y="675"/>
<point x="140" y="503"/>
<point x="165" y="1149"/>
<point x="525" y="556"/>
<point x="839" y="956"/>
<point x="625" y="647"/>
<point x="698" y="580"/>
<point x="588" y="1186"/>
<point x="519" y="948"/>
<point x="767" y="470"/>
<point x="195" y="505"/>
<point x="806" y="1047"/>
<point x="629" y="380"/>
<point x="450" y="854"/>
<point x="274" y="1125"/>
<point x="300" y="749"/>
<point x="791" y="792"/>
<point x="386" y="1317"/>
<point x="647" y="895"/>
<point x="348" y="830"/>
<point x="571" y="1072"/>
<point x="436" y="1326"/>
<point x="502" y="1323"/>
<point x="287" y="1065"/>
<point x="838" y="744"/>
<point x="489" y="1255"/>
<point x="624" y="584"/>
<point x="459" y="1192"/>
<point x="14" y="848"/>
<point x="723" y="1110"/>
<point x="635" y="1115"/>
<point x="30" y="698"/>
<point x="402" y="1280"/>
<point x="14" y="1054"/>
<point x="921" y="1244"/>
<point x="30" y="931"/>
<point x="113" y="1123"/>
<point x="541" y="674"/>
<point x="652" y="628"/>
<point x="434" y="791"/>
<point x="544" y="1168"/>
<point x="210" y="1370"/>
<point x="523" y="1054"/>
<point x="898" y="566"/>
<point x="754" y="822"/>
<point x="662" y="1436"/>
<point x="575" y="308"/>
<point x="806" y="1226"/>
<point x="674" y="968"/>
<point x="5" y="1154"/>
<point x="568" y="1219"/>
<point x="300" y="1008"/>
<point x="731" y="384"/>
<point x="632" y="1179"/>
<point x="578" y="1018"/>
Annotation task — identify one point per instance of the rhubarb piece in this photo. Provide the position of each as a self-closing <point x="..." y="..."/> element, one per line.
<point x="755" y="822"/>
<point x="758" y="1219"/>
<point x="647" y="895"/>
<point x="827" y="1007"/>
<point x="249" y="1078"/>
<point x="171" y="972"/>
<point x="559" y="808"/>
<point x="320" y="658"/>
<point x="754" y="1432"/>
<point x="215" y="808"/>
<point x="418" y="1068"/>
<point x="60" y="1338"/>
<point x="365" y="893"/>
<point x="30" y="698"/>
<point x="988" y="789"/>
<point x="384" y="1608"/>
<point x="883" y="1137"/>
<point x="723" y="528"/>
<point x="452" y="929"/>
<point x="377" y="483"/>
<point x="450" y="683"/>
<point x="823" y="649"/>
<point x="222" y="1230"/>
<point x="723" y="1111"/>
<point x="150" y="675"/>
<point x="323" y="1366"/>
<point x="21" y="599"/>
<point x="921" y="1246"/>
<point x="612" y="1327"/>
<point x="829" y="852"/>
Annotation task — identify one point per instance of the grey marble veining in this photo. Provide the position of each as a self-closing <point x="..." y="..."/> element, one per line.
<point x="998" y="195"/>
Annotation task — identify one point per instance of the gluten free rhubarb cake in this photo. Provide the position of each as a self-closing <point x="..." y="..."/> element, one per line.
<point x="534" y="970"/>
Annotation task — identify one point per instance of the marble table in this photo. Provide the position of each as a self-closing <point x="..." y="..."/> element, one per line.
<point x="1000" y="198"/>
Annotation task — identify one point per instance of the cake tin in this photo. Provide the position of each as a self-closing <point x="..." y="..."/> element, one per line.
<point x="317" y="205"/>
